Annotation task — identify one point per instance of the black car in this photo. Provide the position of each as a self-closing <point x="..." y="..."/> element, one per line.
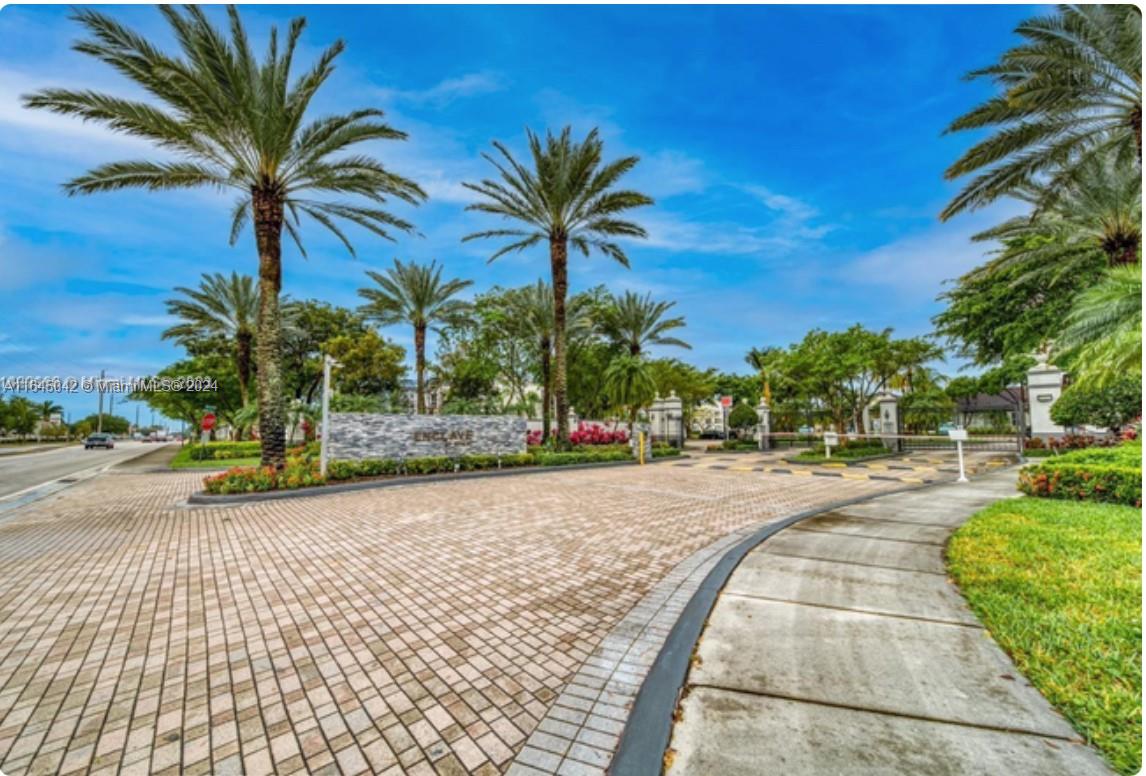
<point x="100" y="440"/>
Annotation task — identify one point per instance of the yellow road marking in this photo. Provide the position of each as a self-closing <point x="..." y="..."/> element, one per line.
<point x="739" y="468"/>
<point x="850" y="476"/>
<point x="911" y="479"/>
<point x="835" y="465"/>
<point x="801" y="472"/>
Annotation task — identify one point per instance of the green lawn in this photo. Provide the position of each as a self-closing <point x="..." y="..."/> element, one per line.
<point x="183" y="460"/>
<point x="1059" y="585"/>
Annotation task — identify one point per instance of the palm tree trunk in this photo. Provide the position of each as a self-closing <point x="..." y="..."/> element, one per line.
<point x="243" y="341"/>
<point x="546" y="382"/>
<point x="268" y="217"/>
<point x="558" y="261"/>
<point x="420" y="365"/>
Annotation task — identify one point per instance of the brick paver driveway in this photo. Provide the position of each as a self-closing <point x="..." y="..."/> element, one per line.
<point x="418" y="629"/>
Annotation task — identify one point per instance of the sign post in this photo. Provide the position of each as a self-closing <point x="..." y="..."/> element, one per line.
<point x="831" y="439"/>
<point x="960" y="436"/>
<point x="725" y="403"/>
<point x="205" y="426"/>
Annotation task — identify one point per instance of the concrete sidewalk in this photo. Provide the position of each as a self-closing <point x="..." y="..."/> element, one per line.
<point x="840" y="646"/>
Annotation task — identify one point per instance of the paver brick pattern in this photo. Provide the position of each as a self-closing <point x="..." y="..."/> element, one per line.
<point x="420" y="629"/>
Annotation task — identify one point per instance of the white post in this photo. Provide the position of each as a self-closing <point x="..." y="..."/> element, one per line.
<point x="323" y="456"/>
<point x="831" y="439"/>
<point x="959" y="434"/>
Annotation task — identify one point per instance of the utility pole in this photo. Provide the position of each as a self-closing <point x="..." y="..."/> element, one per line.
<point x="99" y="421"/>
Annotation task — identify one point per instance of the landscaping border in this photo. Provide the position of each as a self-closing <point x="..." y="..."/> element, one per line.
<point x="202" y="498"/>
<point x="844" y="461"/>
<point x="648" y="730"/>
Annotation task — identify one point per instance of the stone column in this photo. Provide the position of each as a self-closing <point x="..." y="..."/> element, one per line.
<point x="764" y="425"/>
<point x="889" y="421"/>
<point x="1044" y="383"/>
<point x="674" y="419"/>
<point x="571" y="419"/>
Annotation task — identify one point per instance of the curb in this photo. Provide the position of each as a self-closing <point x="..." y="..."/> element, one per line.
<point x="201" y="498"/>
<point x="646" y="736"/>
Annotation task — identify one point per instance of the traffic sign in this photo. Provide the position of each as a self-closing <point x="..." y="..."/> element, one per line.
<point x="725" y="401"/>
<point x="208" y="422"/>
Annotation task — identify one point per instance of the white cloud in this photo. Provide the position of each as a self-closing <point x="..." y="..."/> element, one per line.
<point x="918" y="263"/>
<point x="148" y="320"/>
<point x="448" y="90"/>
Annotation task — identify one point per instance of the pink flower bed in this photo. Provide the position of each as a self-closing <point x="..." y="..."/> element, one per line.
<point x="586" y="434"/>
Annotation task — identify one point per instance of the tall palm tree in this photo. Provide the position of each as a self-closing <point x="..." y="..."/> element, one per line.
<point x="1103" y="335"/>
<point x="1072" y="91"/>
<point x="533" y="307"/>
<point x="567" y="197"/>
<point x="224" y="307"/>
<point x="1097" y="209"/>
<point x="234" y="122"/>
<point x="635" y="322"/>
<point x="629" y="384"/>
<point x="47" y="409"/>
<point x="415" y="294"/>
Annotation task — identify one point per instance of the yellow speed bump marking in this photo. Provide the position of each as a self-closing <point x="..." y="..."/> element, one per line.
<point x="915" y="480"/>
<point x="882" y="466"/>
<point x="831" y="465"/>
<point x="801" y="472"/>
<point x="739" y="468"/>
<point x="851" y="476"/>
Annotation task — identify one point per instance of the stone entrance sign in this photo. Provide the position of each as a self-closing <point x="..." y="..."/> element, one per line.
<point x="358" y="435"/>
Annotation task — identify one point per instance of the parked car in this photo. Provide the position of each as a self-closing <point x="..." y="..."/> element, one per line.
<point x="99" y="440"/>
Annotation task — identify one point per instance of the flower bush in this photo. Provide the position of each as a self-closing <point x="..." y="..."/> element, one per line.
<point x="1083" y="482"/>
<point x="586" y="435"/>
<point x="256" y="479"/>
<point x="1108" y="474"/>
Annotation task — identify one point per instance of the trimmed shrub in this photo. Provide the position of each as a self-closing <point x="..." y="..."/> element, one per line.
<point x="1088" y="482"/>
<point x="566" y="459"/>
<point x="665" y="451"/>
<point x="223" y="451"/>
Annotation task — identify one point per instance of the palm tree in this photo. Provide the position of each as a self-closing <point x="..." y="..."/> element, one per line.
<point x="47" y="409"/>
<point x="635" y="322"/>
<point x="567" y="198"/>
<point x="415" y="294"/>
<point x="629" y="384"/>
<point x="1103" y="335"/>
<point x="220" y="307"/>
<point x="1071" y="92"/>
<point x="1097" y="210"/>
<point x="235" y="122"/>
<point x="533" y="307"/>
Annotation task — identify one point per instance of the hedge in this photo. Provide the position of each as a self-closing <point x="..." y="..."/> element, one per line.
<point x="566" y="459"/>
<point x="1065" y="479"/>
<point x="222" y="451"/>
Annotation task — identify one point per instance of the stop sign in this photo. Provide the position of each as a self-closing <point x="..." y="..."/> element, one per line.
<point x="208" y="422"/>
<point x="726" y="401"/>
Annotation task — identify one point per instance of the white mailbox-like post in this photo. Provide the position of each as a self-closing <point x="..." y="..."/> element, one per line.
<point x="328" y="364"/>
<point x="831" y="439"/>
<point x="960" y="436"/>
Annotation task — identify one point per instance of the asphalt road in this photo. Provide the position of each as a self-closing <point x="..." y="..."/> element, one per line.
<point x="20" y="472"/>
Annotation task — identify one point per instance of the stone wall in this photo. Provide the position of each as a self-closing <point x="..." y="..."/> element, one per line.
<point x="358" y="435"/>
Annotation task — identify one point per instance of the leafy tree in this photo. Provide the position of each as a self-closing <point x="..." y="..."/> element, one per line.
<point x="82" y="429"/>
<point x="309" y="325"/>
<point x="190" y="405"/>
<point x="112" y="424"/>
<point x="47" y="409"/>
<point x="742" y="416"/>
<point x="568" y="197"/>
<point x="367" y="364"/>
<point x="587" y="363"/>
<point x="22" y="416"/>
<point x="1008" y="307"/>
<point x="234" y="122"/>
<point x="1071" y="92"/>
<point x="925" y="409"/>
<point x="635" y="322"/>
<point x="628" y="383"/>
<point x="1103" y="336"/>
<point x="742" y="388"/>
<point x="1110" y="407"/>
<point x="415" y="294"/>
<point x="220" y="307"/>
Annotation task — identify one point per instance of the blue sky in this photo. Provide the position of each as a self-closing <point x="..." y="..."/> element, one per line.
<point x="795" y="155"/>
